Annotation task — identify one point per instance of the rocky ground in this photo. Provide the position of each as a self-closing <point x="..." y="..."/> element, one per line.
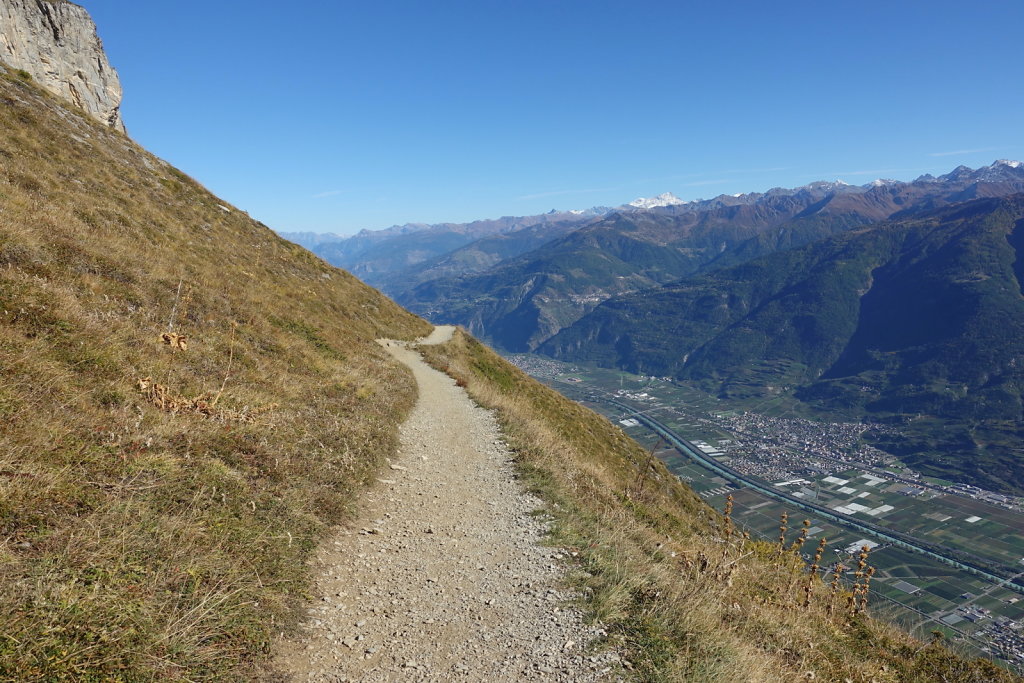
<point x="444" y="576"/>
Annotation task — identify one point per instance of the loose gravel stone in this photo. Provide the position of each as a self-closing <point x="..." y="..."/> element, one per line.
<point x="444" y="575"/>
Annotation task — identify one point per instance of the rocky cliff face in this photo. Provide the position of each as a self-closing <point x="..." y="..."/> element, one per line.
<point x="56" y="42"/>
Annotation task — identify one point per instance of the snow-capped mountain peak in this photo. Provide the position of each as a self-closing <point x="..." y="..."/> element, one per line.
<point x="825" y="185"/>
<point x="1008" y="162"/>
<point x="665" y="199"/>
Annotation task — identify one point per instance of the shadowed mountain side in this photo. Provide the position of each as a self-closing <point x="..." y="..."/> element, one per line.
<point x="519" y="303"/>
<point x="922" y="316"/>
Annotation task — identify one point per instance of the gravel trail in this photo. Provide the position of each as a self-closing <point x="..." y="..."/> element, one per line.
<point x="444" y="577"/>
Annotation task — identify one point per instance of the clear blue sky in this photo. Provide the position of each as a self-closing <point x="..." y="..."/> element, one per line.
<point x="335" y="116"/>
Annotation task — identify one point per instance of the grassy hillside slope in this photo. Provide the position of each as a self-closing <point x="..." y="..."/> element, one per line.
<point x="673" y="581"/>
<point x="159" y="495"/>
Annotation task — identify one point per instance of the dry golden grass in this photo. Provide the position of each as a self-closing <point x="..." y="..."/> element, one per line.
<point x="688" y="597"/>
<point x="187" y="403"/>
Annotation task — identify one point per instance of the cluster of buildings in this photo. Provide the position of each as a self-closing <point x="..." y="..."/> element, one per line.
<point x="537" y="366"/>
<point x="836" y="440"/>
<point x="772" y="443"/>
<point x="1007" y="639"/>
<point x="1004" y="637"/>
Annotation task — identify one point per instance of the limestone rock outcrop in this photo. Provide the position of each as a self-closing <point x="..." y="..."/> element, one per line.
<point x="55" y="41"/>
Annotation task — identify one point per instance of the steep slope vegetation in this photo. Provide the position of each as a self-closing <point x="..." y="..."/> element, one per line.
<point x="675" y="585"/>
<point x="187" y="402"/>
<point x="521" y="302"/>
<point x="914" y="318"/>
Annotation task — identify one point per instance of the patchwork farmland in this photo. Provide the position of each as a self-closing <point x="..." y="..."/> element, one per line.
<point x="829" y="465"/>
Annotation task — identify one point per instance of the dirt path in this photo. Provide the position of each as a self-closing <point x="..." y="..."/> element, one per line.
<point x="444" y="576"/>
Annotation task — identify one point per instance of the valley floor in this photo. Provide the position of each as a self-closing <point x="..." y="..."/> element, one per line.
<point x="444" y="575"/>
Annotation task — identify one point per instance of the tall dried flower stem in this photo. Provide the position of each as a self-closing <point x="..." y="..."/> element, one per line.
<point x="783" y="522"/>
<point x="813" y="573"/>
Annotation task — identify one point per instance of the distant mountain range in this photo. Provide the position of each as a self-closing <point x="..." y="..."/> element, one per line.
<point x="522" y="301"/>
<point x="890" y="300"/>
<point x="379" y="257"/>
<point x="518" y="281"/>
<point x="399" y="258"/>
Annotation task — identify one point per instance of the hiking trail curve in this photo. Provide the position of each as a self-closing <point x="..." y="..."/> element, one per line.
<point x="443" y="576"/>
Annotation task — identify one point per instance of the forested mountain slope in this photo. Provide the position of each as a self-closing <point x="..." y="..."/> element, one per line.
<point x="519" y="303"/>
<point x="923" y="316"/>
